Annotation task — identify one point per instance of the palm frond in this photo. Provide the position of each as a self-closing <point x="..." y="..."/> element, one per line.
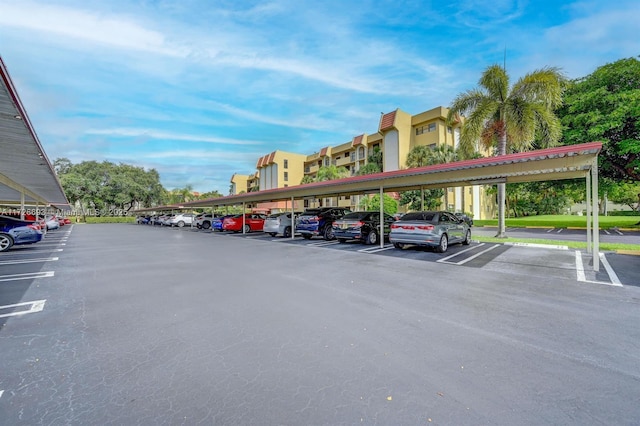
<point x="496" y="82"/>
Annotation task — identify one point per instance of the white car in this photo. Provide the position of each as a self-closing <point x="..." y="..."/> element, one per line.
<point x="181" y="219"/>
<point x="203" y="221"/>
<point x="52" y="222"/>
<point x="278" y="223"/>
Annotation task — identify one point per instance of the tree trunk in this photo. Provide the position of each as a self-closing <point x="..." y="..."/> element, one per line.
<point x="502" y="150"/>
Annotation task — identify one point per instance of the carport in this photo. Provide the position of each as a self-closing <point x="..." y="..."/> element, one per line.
<point x="566" y="162"/>
<point x="26" y="175"/>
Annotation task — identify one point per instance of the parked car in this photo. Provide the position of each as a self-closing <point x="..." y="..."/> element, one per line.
<point x="181" y="219"/>
<point x="465" y="217"/>
<point x="165" y="219"/>
<point x="361" y="226"/>
<point x="279" y="224"/>
<point x="434" y="229"/>
<point x="15" y="232"/>
<point x="203" y="220"/>
<point x="51" y="221"/>
<point x="319" y="221"/>
<point x="252" y="222"/>
<point x="143" y="220"/>
<point x="216" y="222"/>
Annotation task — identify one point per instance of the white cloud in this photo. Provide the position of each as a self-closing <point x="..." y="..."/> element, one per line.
<point x="154" y="134"/>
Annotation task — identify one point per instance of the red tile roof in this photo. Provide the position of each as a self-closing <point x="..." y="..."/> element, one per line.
<point x="387" y="120"/>
<point x="271" y="157"/>
<point x="323" y="151"/>
<point x="357" y="140"/>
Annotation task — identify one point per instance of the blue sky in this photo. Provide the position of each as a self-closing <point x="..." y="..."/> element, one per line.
<point x="201" y="89"/>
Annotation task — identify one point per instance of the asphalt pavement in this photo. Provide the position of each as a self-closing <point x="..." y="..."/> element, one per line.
<point x="148" y="325"/>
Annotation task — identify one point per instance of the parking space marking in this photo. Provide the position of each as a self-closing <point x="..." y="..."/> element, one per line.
<point x="27" y="276"/>
<point x="36" y="306"/>
<point x="460" y="252"/>
<point x="607" y="232"/>
<point x="41" y="259"/>
<point x="582" y="277"/>
<point x="550" y="230"/>
<point x="323" y="243"/>
<point x="612" y="274"/>
<point x="30" y="250"/>
<point x="462" y="262"/>
<point x="546" y="246"/>
<point x="620" y="233"/>
<point x="1" y="392"/>
<point x="559" y="231"/>
<point x="376" y="249"/>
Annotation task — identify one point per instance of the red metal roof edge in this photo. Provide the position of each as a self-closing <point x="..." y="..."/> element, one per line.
<point x="323" y="151"/>
<point x="477" y="162"/>
<point x="271" y="157"/>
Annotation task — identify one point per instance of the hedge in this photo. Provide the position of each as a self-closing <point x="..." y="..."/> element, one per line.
<point x="111" y="219"/>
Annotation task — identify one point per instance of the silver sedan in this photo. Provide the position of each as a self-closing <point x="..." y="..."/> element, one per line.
<point x="434" y="229"/>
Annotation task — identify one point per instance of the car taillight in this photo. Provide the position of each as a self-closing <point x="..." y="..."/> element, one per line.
<point x="36" y="227"/>
<point x="315" y="218"/>
<point x="358" y="224"/>
<point x="425" y="227"/>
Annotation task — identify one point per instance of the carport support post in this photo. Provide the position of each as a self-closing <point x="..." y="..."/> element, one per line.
<point x="422" y="198"/>
<point x="589" y="241"/>
<point x="293" y="219"/>
<point x="244" y="218"/>
<point x="381" y="217"/>
<point x="596" y="226"/>
<point x="21" y="205"/>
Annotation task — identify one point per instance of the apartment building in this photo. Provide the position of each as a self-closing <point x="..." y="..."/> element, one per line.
<point x="398" y="133"/>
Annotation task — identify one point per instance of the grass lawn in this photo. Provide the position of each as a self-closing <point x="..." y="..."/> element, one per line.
<point x="565" y="221"/>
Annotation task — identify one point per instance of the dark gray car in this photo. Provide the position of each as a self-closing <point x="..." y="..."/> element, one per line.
<point x="434" y="229"/>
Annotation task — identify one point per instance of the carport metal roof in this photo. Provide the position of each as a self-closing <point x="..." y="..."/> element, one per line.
<point x="24" y="166"/>
<point x="566" y="162"/>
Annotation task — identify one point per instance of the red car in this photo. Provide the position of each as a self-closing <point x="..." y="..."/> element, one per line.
<point x="253" y="222"/>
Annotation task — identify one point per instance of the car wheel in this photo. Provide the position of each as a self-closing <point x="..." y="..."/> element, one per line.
<point x="247" y="229"/>
<point x="444" y="244"/>
<point x="342" y="240"/>
<point x="5" y="242"/>
<point x="273" y="234"/>
<point x="328" y="233"/>
<point x="467" y="238"/>
<point x="287" y="232"/>
<point x="206" y="225"/>
<point x="398" y="245"/>
<point x="372" y="238"/>
<point x="181" y="224"/>
<point x="306" y="236"/>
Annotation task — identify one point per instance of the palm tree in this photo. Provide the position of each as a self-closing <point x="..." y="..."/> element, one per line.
<point x="510" y="118"/>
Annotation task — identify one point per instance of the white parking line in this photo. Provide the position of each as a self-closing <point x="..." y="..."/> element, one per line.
<point x="323" y="243"/>
<point x="550" y="230"/>
<point x="547" y="246"/>
<point x="470" y="258"/>
<point x="559" y="231"/>
<point x="581" y="276"/>
<point x="612" y="275"/>
<point x="36" y="306"/>
<point x="16" y="262"/>
<point x="460" y="252"/>
<point x="27" y="276"/>
<point x="376" y="249"/>
<point x="618" y="232"/>
<point x="31" y="250"/>
<point x="1" y="392"/>
<point x="607" y="232"/>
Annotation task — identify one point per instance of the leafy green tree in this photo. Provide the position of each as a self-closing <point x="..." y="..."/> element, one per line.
<point x="510" y="118"/>
<point x="307" y="179"/>
<point x="605" y="106"/>
<point x="414" y="201"/>
<point x="331" y="173"/>
<point x="626" y="193"/>
<point x="372" y="203"/>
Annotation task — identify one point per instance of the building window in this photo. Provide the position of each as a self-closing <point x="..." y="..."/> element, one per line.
<point x="286" y="164"/>
<point x="346" y="155"/>
<point x="307" y="169"/>
<point x="326" y="161"/>
<point x="319" y="163"/>
<point x="427" y="128"/>
<point x="286" y="176"/>
<point x="449" y="129"/>
<point x="353" y="156"/>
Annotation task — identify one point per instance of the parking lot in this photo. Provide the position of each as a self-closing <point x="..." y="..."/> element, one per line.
<point x="133" y="324"/>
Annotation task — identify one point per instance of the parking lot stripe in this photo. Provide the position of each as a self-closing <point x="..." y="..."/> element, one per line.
<point x="460" y="252"/>
<point x="559" y="231"/>
<point x="42" y="259"/>
<point x="36" y="306"/>
<point x="376" y="249"/>
<point x="323" y="243"/>
<point x="612" y="274"/>
<point x="550" y="230"/>
<point x="1" y="392"/>
<point x="27" y="276"/>
<point x="462" y="262"/>
<point x="580" y="267"/>
<point x="618" y="232"/>
<point x="547" y="246"/>
<point x="31" y="250"/>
